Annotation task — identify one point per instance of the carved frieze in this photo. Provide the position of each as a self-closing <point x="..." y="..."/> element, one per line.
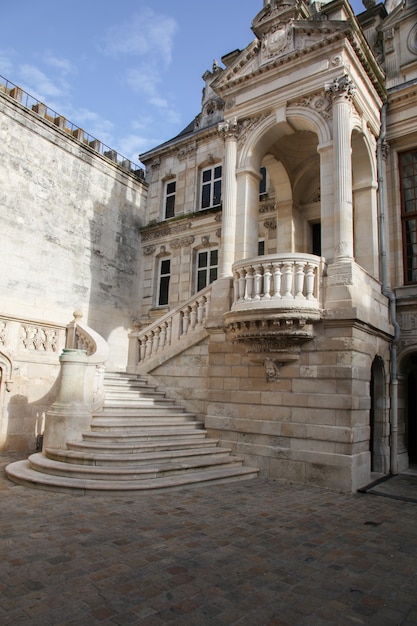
<point x="186" y="151"/>
<point x="166" y="231"/>
<point x="270" y="224"/>
<point x="182" y="242"/>
<point x="249" y="124"/>
<point x="38" y="338"/>
<point x="267" y="208"/>
<point x="149" y="250"/>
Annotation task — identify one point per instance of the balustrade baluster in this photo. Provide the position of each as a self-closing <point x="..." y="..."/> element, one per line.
<point x="288" y="279"/>
<point x="169" y="331"/>
<point x="185" y="320"/>
<point x="310" y="275"/>
<point x="249" y="289"/>
<point x="299" y="280"/>
<point x="277" y="280"/>
<point x="242" y="285"/>
<point x="142" y="348"/>
<point x="258" y="282"/>
<point x="162" y="336"/>
<point x="236" y="287"/>
<point x="267" y="282"/>
<point x="193" y="315"/>
<point x="155" y="341"/>
<point x="148" y="352"/>
<point x="207" y="307"/>
<point x="200" y="311"/>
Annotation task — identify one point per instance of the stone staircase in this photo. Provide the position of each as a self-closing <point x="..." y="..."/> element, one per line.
<point x="140" y="441"/>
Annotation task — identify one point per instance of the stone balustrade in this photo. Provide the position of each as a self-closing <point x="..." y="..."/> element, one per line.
<point x="279" y="281"/>
<point x="170" y="330"/>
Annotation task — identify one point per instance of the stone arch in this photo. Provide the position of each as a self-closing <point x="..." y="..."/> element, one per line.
<point x="379" y="428"/>
<point x="290" y="138"/>
<point x="407" y="407"/>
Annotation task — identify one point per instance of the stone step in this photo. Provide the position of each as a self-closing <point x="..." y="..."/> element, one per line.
<point x="22" y="473"/>
<point x="42" y="463"/>
<point x="115" y="458"/>
<point x="129" y="447"/>
<point x="144" y="411"/>
<point x="140" y="441"/>
<point x="124" y="421"/>
<point x="135" y="423"/>
<point x="145" y="435"/>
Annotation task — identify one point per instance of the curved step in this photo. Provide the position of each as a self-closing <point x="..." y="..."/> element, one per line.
<point x="21" y="472"/>
<point x="45" y="465"/>
<point x="129" y="447"/>
<point x="133" y="425"/>
<point x="116" y="458"/>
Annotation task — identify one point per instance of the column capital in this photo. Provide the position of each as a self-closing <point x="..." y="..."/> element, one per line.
<point x="229" y="129"/>
<point x="342" y="87"/>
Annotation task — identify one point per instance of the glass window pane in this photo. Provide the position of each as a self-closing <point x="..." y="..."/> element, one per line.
<point x="206" y="176"/>
<point x="218" y="171"/>
<point x="214" y="254"/>
<point x="171" y="187"/>
<point x="205" y="197"/>
<point x="202" y="259"/>
<point x="217" y="193"/>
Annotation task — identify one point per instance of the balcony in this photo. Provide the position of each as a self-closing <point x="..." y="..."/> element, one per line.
<point x="276" y="300"/>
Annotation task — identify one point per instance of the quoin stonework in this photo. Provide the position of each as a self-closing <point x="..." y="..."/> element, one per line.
<point x="261" y="270"/>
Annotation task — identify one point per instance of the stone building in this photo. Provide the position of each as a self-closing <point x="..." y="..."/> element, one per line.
<point x="275" y="262"/>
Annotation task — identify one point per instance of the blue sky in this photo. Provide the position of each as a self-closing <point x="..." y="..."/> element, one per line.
<point x="129" y="72"/>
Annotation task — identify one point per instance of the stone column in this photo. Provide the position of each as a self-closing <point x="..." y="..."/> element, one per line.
<point x="229" y="129"/>
<point x="342" y="91"/>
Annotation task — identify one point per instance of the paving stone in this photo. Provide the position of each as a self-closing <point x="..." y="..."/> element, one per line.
<point x="260" y="553"/>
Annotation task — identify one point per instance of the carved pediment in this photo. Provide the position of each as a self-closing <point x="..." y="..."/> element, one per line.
<point x="283" y="28"/>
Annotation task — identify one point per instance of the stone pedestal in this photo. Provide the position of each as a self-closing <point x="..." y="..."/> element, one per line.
<point x="70" y="415"/>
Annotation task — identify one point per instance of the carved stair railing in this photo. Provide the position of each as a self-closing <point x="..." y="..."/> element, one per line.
<point x="81" y="385"/>
<point x="82" y="337"/>
<point x="170" y="334"/>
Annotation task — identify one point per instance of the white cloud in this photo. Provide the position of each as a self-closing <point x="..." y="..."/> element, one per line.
<point x="6" y="64"/>
<point x="63" y="65"/>
<point x="146" y="34"/>
<point x="40" y="83"/>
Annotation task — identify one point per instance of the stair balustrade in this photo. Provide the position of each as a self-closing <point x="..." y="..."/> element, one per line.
<point x="82" y="337"/>
<point x="170" y="330"/>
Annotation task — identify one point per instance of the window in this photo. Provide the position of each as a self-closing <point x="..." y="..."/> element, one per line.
<point x="408" y="187"/>
<point x="164" y="277"/>
<point x="170" y="190"/>
<point x="316" y="238"/>
<point x="262" y="184"/>
<point x="261" y="247"/>
<point x="211" y="187"/>
<point x="207" y="264"/>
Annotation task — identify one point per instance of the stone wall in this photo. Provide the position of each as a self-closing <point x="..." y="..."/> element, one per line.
<point x="69" y="239"/>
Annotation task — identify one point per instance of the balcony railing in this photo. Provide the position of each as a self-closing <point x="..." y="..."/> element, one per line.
<point x="279" y="281"/>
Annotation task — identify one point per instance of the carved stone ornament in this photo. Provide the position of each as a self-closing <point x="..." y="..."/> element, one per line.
<point x="342" y="86"/>
<point x="270" y="224"/>
<point x="277" y="41"/>
<point x="186" y="151"/>
<point x="321" y="103"/>
<point x="182" y="243"/>
<point x="229" y="128"/>
<point x="149" y="250"/>
<point x="249" y="124"/>
<point x="267" y="208"/>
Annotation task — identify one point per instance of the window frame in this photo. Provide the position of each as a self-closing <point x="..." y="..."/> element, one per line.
<point x="211" y="189"/>
<point x="207" y="269"/>
<point x="408" y="195"/>
<point x="164" y="279"/>
<point x="169" y="196"/>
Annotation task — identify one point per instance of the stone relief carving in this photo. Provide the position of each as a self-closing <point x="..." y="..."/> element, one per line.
<point x="389" y="40"/>
<point x="186" y="151"/>
<point x="320" y="103"/>
<point x="267" y="208"/>
<point x="277" y="40"/>
<point x="247" y="125"/>
<point x="412" y="40"/>
<point x="3" y="326"/>
<point x="270" y="224"/>
<point x="38" y="338"/>
<point x="149" y="250"/>
<point x="272" y="370"/>
<point x="183" y="242"/>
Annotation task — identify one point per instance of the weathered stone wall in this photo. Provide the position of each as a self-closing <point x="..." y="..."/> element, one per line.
<point x="69" y="240"/>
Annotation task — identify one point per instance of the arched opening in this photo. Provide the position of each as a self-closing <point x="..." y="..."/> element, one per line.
<point x="378" y="437"/>
<point x="407" y="415"/>
<point x="364" y="188"/>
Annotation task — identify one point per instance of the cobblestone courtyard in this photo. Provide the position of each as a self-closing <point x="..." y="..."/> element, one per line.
<point x="255" y="553"/>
